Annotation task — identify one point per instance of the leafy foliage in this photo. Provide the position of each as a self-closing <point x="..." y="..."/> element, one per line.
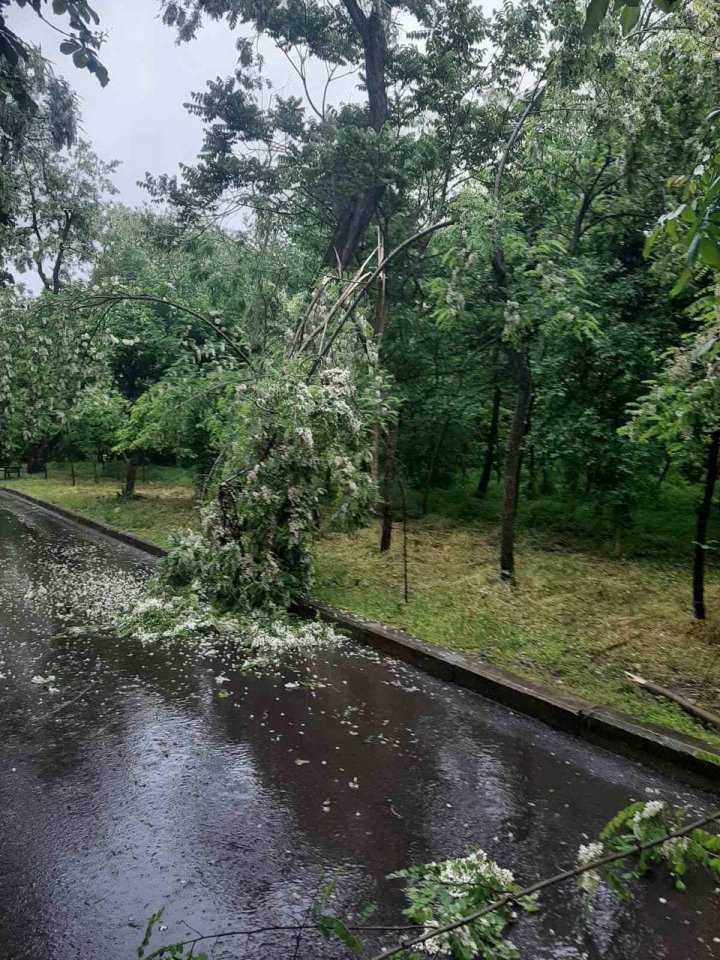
<point x="441" y="893"/>
<point x="643" y="823"/>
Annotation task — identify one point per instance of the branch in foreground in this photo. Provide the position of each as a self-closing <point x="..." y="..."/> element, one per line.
<point x="559" y="878"/>
<point x="161" y="952"/>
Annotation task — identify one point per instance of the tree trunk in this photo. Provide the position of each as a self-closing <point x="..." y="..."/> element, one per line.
<point x="130" y="472"/>
<point x="95" y="470"/>
<point x="701" y="527"/>
<point x="34" y="460"/>
<point x="519" y="360"/>
<point x="387" y="506"/>
<point x="664" y="472"/>
<point x="431" y="466"/>
<point x="484" y="483"/>
<point x="355" y="217"/>
<point x="36" y="456"/>
<point x="378" y="332"/>
<point x="619" y="539"/>
<point x="545" y="483"/>
<point x="513" y="453"/>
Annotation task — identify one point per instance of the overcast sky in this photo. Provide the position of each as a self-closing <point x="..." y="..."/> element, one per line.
<point x="139" y="118"/>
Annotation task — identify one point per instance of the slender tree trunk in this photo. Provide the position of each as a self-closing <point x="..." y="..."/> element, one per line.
<point x="519" y="359"/>
<point x="519" y="474"/>
<point x="619" y="539"/>
<point x="406" y="582"/>
<point x="431" y="466"/>
<point x="701" y="527"/>
<point x="513" y="453"/>
<point x="545" y="483"/>
<point x="379" y="323"/>
<point x="387" y="507"/>
<point x="484" y="483"/>
<point x="130" y="473"/>
<point x="95" y="470"/>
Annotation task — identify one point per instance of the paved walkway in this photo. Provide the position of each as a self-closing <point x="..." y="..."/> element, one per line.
<point x="128" y="784"/>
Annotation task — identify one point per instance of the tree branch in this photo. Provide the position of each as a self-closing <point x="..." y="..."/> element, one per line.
<point x="562" y="877"/>
<point x="148" y="298"/>
<point x="371" y="279"/>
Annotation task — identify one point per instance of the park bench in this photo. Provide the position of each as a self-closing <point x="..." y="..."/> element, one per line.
<point x="10" y="470"/>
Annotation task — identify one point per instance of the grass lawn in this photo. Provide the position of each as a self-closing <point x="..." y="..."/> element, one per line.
<point x="578" y="618"/>
<point x="163" y="504"/>
<point x="575" y="621"/>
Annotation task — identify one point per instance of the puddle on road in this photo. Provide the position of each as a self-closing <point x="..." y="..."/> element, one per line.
<point x="144" y="783"/>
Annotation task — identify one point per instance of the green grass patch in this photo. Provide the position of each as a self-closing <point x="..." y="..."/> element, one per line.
<point x="164" y="501"/>
<point x="576" y="621"/>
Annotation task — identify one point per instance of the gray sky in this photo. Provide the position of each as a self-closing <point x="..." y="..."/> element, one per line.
<point x="139" y="118"/>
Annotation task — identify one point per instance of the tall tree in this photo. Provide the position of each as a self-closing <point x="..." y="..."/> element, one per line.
<point x="62" y="196"/>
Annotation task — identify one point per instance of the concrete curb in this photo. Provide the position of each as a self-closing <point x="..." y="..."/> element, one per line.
<point x="600" y="725"/>
<point x="619" y="733"/>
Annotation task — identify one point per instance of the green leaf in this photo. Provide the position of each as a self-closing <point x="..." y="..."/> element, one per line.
<point x="621" y="818"/>
<point x="69" y="46"/>
<point x="617" y="885"/>
<point x="60" y="7"/>
<point x="629" y="18"/>
<point x="94" y="66"/>
<point x="709" y="252"/>
<point x="80" y="58"/>
<point x="596" y="12"/>
<point x="332" y="927"/>
<point x="682" y="282"/>
<point x="650" y="242"/>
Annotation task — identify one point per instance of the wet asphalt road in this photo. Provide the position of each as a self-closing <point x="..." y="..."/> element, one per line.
<point x="131" y="785"/>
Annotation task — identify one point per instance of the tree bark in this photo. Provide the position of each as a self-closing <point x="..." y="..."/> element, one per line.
<point x="519" y="359"/>
<point x="36" y="455"/>
<point x="391" y="443"/>
<point x="130" y="473"/>
<point x="355" y="217"/>
<point x="701" y="527"/>
<point x="484" y="482"/>
<point x="513" y="453"/>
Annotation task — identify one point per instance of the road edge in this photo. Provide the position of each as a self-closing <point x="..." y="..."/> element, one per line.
<point x="599" y="725"/>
